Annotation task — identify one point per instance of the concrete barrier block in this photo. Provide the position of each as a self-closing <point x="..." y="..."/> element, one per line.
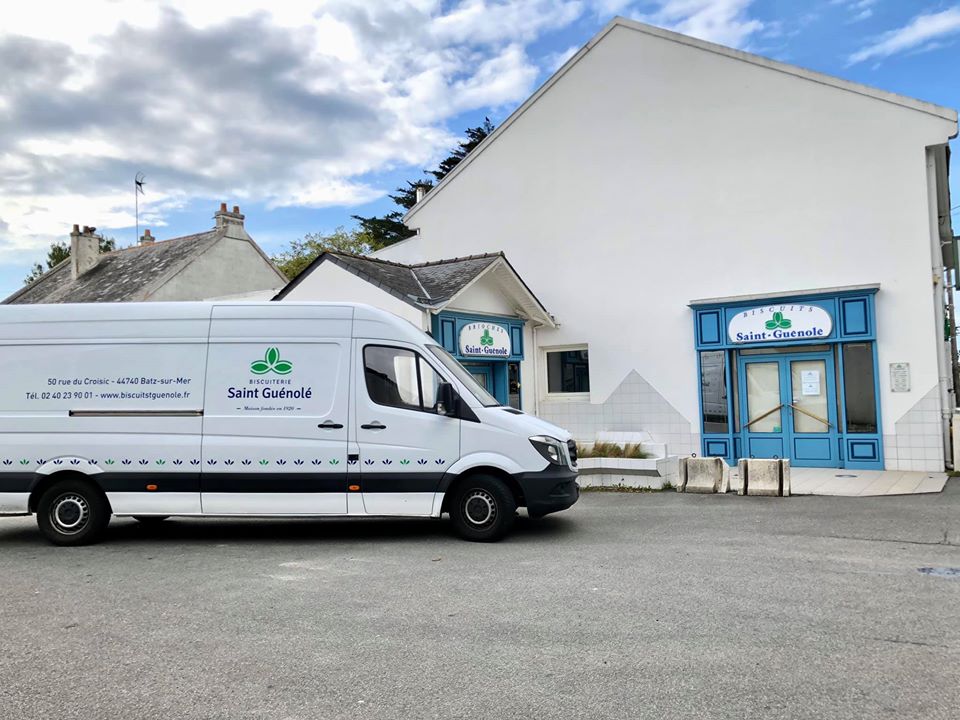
<point x="669" y="470"/>
<point x="724" y="479"/>
<point x="701" y="475"/>
<point x="764" y="477"/>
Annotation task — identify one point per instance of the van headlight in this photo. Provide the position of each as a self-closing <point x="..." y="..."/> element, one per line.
<point x="550" y="448"/>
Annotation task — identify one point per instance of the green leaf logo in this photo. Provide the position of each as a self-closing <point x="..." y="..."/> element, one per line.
<point x="779" y="321"/>
<point x="486" y="338"/>
<point x="271" y="363"/>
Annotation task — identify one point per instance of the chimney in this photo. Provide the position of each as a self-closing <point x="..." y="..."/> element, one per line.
<point x="147" y="238"/>
<point x="231" y="222"/>
<point x="84" y="250"/>
<point x="419" y="192"/>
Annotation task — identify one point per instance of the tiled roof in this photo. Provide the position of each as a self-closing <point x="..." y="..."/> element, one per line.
<point x="424" y="284"/>
<point x="118" y="276"/>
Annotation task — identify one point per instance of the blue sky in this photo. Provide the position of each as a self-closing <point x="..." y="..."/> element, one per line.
<point x="307" y="113"/>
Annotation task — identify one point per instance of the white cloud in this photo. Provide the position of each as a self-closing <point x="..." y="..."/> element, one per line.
<point x="860" y="9"/>
<point x="920" y="34"/>
<point x="290" y="103"/>
<point x="722" y="21"/>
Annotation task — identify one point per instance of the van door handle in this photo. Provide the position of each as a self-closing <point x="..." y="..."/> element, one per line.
<point x="375" y="425"/>
<point x="329" y="425"/>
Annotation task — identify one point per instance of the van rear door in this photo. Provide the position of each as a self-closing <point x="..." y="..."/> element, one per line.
<point x="275" y="415"/>
<point x="405" y="446"/>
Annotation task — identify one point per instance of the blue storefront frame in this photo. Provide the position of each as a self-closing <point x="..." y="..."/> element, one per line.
<point x="446" y="327"/>
<point x="853" y="316"/>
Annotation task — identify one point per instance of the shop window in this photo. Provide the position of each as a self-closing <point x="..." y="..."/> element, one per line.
<point x="859" y="388"/>
<point x="396" y="377"/>
<point x="713" y="391"/>
<point x="568" y="371"/>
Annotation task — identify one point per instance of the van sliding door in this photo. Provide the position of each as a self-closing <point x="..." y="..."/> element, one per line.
<point x="275" y="420"/>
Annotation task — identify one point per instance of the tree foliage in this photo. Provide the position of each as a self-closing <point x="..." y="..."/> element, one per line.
<point x="390" y="229"/>
<point x="304" y="251"/>
<point x="60" y="251"/>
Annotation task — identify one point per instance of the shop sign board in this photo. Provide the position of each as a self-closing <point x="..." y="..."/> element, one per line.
<point x="780" y="323"/>
<point x="484" y="339"/>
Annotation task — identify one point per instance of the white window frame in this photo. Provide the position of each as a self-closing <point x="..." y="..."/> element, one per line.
<point x="545" y="393"/>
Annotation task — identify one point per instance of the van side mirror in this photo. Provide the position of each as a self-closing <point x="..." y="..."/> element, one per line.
<point x="448" y="401"/>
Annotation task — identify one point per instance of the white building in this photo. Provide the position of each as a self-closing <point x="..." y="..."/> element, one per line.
<point x="738" y="256"/>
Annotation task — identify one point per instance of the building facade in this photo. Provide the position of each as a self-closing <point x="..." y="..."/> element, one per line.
<point x="740" y="257"/>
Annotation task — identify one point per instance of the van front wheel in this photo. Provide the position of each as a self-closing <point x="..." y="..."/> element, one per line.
<point x="72" y="512"/>
<point x="483" y="509"/>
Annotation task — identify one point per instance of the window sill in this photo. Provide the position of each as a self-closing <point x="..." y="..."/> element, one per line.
<point x="566" y="397"/>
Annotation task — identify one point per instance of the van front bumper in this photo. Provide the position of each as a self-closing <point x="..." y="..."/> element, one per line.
<point x="550" y="490"/>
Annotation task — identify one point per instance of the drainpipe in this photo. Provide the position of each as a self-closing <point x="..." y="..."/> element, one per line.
<point x="536" y="373"/>
<point x="939" y="296"/>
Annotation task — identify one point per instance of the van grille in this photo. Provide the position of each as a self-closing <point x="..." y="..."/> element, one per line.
<point x="572" y="450"/>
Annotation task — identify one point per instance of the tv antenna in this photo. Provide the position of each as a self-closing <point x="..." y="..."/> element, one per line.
<point x="137" y="192"/>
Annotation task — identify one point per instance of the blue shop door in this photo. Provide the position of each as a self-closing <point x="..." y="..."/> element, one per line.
<point x="789" y="408"/>
<point x="483" y="374"/>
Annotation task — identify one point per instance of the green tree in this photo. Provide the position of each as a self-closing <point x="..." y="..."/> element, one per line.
<point x="390" y="229"/>
<point x="60" y="251"/>
<point x="304" y="251"/>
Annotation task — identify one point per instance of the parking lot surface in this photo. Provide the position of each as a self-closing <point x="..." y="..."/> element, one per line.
<point x="628" y="605"/>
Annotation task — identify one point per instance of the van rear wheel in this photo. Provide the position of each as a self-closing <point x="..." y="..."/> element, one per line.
<point x="72" y="512"/>
<point x="483" y="509"/>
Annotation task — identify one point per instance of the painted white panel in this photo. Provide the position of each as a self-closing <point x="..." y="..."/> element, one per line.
<point x="400" y="503"/>
<point x="13" y="503"/>
<point x="103" y="376"/>
<point x="274" y="504"/>
<point x="154" y="503"/>
<point x="266" y="407"/>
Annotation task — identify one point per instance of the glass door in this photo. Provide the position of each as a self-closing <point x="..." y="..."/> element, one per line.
<point x="788" y="404"/>
<point x="763" y="409"/>
<point x="813" y="412"/>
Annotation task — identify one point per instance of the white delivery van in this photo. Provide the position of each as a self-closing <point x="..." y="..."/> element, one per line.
<point x="152" y="410"/>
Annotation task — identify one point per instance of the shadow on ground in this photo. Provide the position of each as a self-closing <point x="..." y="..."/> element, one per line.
<point x="290" y="531"/>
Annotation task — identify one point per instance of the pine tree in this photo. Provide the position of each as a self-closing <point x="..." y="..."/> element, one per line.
<point x="390" y="229"/>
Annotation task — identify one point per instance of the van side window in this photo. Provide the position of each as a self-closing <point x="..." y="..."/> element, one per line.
<point x="397" y="377"/>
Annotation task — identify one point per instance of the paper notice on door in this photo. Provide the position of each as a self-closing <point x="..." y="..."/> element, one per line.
<point x="810" y="382"/>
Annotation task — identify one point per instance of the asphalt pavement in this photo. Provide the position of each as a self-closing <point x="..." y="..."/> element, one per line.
<point x="626" y="606"/>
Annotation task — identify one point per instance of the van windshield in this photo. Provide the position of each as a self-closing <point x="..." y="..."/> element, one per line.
<point x="464" y="376"/>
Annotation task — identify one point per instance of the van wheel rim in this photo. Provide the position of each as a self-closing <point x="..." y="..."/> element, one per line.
<point x="480" y="509"/>
<point x="70" y="514"/>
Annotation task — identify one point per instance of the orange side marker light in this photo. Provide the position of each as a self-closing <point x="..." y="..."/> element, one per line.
<point x="151" y="488"/>
<point x="354" y="488"/>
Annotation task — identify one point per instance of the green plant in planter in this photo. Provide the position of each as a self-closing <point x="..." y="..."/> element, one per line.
<point x="635" y="451"/>
<point x="612" y="450"/>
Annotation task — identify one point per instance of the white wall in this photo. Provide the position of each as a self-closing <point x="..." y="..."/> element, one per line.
<point x="483" y="297"/>
<point x="654" y="173"/>
<point x="330" y="282"/>
<point x="231" y="266"/>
